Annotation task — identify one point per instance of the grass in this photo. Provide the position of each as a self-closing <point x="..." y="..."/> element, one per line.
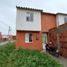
<point x="11" y="57"/>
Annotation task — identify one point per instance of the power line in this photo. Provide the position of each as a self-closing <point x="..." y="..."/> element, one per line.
<point x="8" y="28"/>
<point x="6" y="25"/>
<point x="3" y="23"/>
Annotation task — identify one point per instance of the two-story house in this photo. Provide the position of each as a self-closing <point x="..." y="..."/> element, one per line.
<point x="28" y="28"/>
<point x="58" y="35"/>
<point x="48" y="21"/>
<point x="35" y="28"/>
<point x="32" y="27"/>
<point x="61" y="19"/>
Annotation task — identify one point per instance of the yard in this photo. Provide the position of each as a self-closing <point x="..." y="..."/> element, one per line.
<point x="11" y="57"/>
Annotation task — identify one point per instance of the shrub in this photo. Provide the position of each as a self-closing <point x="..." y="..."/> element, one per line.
<point x="11" y="57"/>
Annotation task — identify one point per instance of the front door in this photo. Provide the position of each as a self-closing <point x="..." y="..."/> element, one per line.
<point x="44" y="38"/>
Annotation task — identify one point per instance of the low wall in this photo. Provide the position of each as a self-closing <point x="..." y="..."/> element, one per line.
<point x="62" y="35"/>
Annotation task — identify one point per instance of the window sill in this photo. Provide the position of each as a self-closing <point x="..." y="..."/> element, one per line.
<point x="28" y="42"/>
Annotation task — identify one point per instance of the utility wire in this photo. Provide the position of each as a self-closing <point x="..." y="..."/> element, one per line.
<point x="6" y="25"/>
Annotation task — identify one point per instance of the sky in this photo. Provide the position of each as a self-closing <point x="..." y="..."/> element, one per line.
<point x="8" y="11"/>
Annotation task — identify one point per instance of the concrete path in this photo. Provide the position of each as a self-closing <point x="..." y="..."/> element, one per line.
<point x="3" y="43"/>
<point x="60" y="59"/>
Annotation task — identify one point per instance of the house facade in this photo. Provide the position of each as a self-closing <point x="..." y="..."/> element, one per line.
<point x="61" y="19"/>
<point x="58" y="35"/>
<point x="28" y="28"/>
<point x="48" y="21"/>
<point x="35" y="27"/>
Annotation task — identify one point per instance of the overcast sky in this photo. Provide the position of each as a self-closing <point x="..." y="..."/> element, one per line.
<point x="8" y="10"/>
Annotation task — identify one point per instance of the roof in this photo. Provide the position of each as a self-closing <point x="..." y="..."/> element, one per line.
<point x="26" y="8"/>
<point x="61" y="14"/>
<point x="49" y="13"/>
<point x="60" y="28"/>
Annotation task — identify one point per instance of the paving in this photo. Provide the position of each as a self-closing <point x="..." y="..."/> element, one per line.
<point x="60" y="60"/>
<point x="3" y="43"/>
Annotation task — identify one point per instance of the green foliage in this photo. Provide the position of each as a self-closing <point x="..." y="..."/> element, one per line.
<point x="11" y="57"/>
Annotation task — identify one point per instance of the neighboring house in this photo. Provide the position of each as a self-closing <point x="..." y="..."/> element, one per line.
<point x="48" y="21"/>
<point x="4" y="37"/>
<point x="8" y="37"/>
<point x="61" y="18"/>
<point x="33" y="27"/>
<point x="0" y="37"/>
<point x="58" y="35"/>
<point x="13" y="37"/>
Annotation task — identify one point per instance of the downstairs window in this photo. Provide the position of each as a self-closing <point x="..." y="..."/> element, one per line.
<point x="28" y="38"/>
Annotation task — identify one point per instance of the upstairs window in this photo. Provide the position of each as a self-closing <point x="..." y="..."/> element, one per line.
<point x="29" y="16"/>
<point x="28" y="38"/>
<point x="65" y="19"/>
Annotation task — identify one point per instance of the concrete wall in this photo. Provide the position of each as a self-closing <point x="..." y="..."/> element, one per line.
<point x="62" y="34"/>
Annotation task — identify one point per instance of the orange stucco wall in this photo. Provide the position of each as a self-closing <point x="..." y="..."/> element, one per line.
<point x="35" y="44"/>
<point x="48" y="21"/>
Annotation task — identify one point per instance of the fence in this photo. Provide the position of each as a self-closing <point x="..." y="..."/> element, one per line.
<point x="59" y="41"/>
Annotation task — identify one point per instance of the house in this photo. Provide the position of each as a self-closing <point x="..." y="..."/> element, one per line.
<point x="58" y="35"/>
<point x="11" y="37"/>
<point x="0" y="37"/>
<point x="32" y="27"/>
<point x="4" y="37"/>
<point x="28" y="28"/>
<point x="48" y="21"/>
<point x="35" y="28"/>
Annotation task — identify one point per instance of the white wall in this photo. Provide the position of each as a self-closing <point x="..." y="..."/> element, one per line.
<point x="60" y="19"/>
<point x="22" y="24"/>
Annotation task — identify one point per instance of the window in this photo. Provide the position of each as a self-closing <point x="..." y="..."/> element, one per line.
<point x="28" y="37"/>
<point x="29" y="16"/>
<point x="65" y="19"/>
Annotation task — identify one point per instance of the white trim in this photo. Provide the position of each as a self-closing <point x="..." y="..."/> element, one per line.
<point x="27" y="38"/>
